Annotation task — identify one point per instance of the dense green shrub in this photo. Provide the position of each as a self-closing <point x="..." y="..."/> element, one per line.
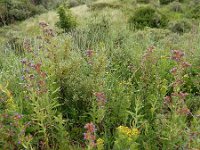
<point x="11" y="11"/>
<point x="100" y="6"/>
<point x="148" y="17"/>
<point x="166" y="1"/>
<point x="143" y="1"/>
<point x="181" y="26"/>
<point x="176" y="7"/>
<point x="73" y="3"/>
<point x="169" y="1"/>
<point x="66" y="20"/>
<point x="195" y="12"/>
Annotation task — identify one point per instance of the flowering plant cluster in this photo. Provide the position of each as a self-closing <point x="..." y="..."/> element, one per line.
<point x="126" y="138"/>
<point x="90" y="136"/>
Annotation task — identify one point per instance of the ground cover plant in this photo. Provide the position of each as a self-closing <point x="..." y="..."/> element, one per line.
<point x="105" y="75"/>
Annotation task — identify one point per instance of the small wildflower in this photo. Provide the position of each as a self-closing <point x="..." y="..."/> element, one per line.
<point x="127" y="131"/>
<point x="177" y="55"/>
<point x="100" y="144"/>
<point x="184" y="111"/>
<point x="23" y="78"/>
<point x="89" y="135"/>
<point x="150" y="49"/>
<point x="43" y="74"/>
<point x="38" y="67"/>
<point x="182" y="95"/>
<point x="90" y="127"/>
<point x="17" y="116"/>
<point x="186" y="64"/>
<point x="49" y="32"/>
<point x="24" y="61"/>
<point x="31" y="76"/>
<point x="135" y="131"/>
<point x="167" y="100"/>
<point x="43" y="24"/>
<point x="173" y="70"/>
<point x="131" y="67"/>
<point x="89" y="53"/>
<point x="101" y="98"/>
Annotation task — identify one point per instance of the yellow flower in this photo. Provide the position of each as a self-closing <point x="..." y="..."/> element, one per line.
<point x="127" y="131"/>
<point x="100" y="144"/>
<point x="135" y="131"/>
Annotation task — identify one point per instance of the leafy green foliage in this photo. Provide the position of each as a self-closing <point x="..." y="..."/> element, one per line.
<point x="148" y="17"/>
<point x="12" y="11"/>
<point x="176" y="6"/>
<point x="66" y="21"/>
<point x="195" y="12"/>
<point x="168" y="1"/>
<point x="143" y="1"/>
<point x="181" y="26"/>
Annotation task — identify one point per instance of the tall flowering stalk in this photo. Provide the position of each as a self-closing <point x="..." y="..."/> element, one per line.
<point x="89" y="135"/>
<point x="178" y="97"/>
<point x="33" y="77"/>
<point x="12" y="126"/>
<point x="126" y="138"/>
<point x="101" y="99"/>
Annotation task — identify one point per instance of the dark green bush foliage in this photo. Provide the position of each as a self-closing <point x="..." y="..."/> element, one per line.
<point x="11" y="11"/>
<point x="181" y="26"/>
<point x="66" y="20"/>
<point x="176" y="7"/>
<point x="100" y="6"/>
<point x="164" y="2"/>
<point x="148" y="17"/>
<point x="73" y="3"/>
<point x="195" y="12"/>
<point x="143" y="1"/>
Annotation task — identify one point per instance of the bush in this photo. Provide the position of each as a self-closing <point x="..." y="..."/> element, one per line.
<point x="176" y="7"/>
<point x="19" y="14"/>
<point x="148" y="17"/>
<point x="73" y="3"/>
<point x="164" y="2"/>
<point x="195" y="12"/>
<point x="11" y="11"/>
<point x="181" y="26"/>
<point x="102" y="5"/>
<point x="143" y="1"/>
<point x="66" y="20"/>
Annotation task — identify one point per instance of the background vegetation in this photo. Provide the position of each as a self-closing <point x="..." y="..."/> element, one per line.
<point x="112" y="74"/>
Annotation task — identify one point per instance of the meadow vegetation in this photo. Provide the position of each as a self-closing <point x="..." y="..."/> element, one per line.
<point x="107" y="74"/>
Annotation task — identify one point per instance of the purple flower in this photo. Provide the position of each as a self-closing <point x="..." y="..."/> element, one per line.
<point x="101" y="98"/>
<point x="177" y="55"/>
<point x="24" y="61"/>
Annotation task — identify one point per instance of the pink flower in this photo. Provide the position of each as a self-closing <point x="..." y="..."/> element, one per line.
<point x="173" y="70"/>
<point x="89" y="53"/>
<point x="167" y="100"/>
<point x="184" y="111"/>
<point x="90" y="127"/>
<point x="186" y="64"/>
<point x="177" y="55"/>
<point x="101" y="98"/>
<point x="90" y="134"/>
<point x="183" y="95"/>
